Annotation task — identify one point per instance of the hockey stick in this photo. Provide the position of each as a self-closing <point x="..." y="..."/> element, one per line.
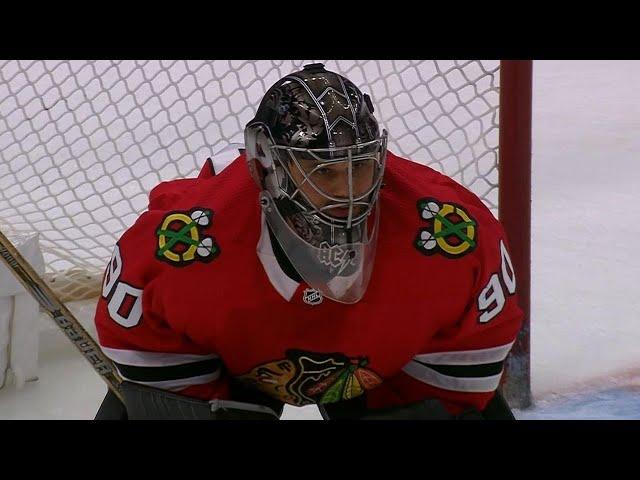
<point x="72" y="328"/>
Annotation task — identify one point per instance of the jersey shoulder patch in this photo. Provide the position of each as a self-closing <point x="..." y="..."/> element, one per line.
<point x="449" y="229"/>
<point x="182" y="237"/>
<point x="447" y="219"/>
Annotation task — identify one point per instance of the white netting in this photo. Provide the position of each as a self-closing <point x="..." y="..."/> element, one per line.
<point x="83" y="142"/>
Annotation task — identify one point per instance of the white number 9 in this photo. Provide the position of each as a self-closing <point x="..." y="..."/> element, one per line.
<point x="492" y="297"/>
<point x="133" y="314"/>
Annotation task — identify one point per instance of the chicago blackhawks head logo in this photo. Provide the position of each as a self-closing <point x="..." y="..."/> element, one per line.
<point x="451" y="231"/>
<point x="305" y="378"/>
<point x="180" y="238"/>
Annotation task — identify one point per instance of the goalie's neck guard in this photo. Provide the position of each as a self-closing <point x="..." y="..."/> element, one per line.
<point x="341" y="271"/>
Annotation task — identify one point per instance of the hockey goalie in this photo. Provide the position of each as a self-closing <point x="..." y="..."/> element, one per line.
<point x="316" y="268"/>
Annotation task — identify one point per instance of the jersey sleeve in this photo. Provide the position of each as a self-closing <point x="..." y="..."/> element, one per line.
<point x="134" y="331"/>
<point x="462" y="363"/>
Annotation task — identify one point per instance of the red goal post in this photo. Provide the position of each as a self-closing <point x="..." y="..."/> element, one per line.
<point x="515" y="210"/>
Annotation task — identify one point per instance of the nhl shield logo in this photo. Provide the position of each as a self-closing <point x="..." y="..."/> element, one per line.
<point x="311" y="296"/>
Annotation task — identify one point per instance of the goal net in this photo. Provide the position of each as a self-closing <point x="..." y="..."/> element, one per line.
<point x="83" y="142"/>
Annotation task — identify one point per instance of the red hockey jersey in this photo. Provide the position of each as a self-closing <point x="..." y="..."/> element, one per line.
<point x="194" y="296"/>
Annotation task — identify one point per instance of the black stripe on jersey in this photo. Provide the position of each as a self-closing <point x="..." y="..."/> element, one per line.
<point x="466" y="371"/>
<point x="172" y="372"/>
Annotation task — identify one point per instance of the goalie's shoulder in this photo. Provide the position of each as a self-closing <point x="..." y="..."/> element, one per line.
<point x="191" y="223"/>
<point x="450" y="221"/>
<point x="218" y="176"/>
<point x="162" y="238"/>
<point x="188" y="204"/>
<point x="411" y="181"/>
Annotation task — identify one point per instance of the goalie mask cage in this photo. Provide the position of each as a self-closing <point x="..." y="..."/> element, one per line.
<point x="83" y="142"/>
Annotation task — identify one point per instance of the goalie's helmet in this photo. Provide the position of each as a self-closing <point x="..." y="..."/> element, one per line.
<point x="317" y="153"/>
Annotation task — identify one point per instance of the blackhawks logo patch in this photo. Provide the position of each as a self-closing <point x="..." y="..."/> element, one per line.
<point x="451" y="231"/>
<point x="181" y="239"/>
<point x="304" y="378"/>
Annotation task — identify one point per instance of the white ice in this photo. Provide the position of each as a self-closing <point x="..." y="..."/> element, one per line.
<point x="585" y="330"/>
